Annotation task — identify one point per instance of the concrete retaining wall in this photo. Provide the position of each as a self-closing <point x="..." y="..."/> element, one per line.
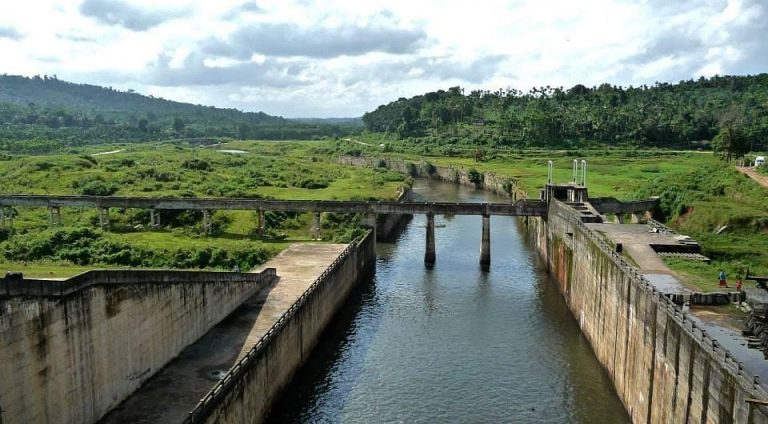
<point x="664" y="368"/>
<point x="77" y="351"/>
<point x="387" y="226"/>
<point x="491" y="181"/>
<point x="247" y="392"/>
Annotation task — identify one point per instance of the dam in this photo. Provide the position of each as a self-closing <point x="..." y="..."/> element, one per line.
<point x="536" y="335"/>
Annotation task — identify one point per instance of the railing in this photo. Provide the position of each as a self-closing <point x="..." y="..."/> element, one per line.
<point x="699" y="335"/>
<point x="17" y="285"/>
<point x="208" y="403"/>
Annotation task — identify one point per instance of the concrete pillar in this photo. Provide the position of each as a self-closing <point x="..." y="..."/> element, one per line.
<point x="154" y="218"/>
<point x="262" y="224"/>
<point x="54" y="216"/>
<point x="618" y="218"/>
<point x="370" y="222"/>
<point x="316" y="226"/>
<point x="429" y="255"/>
<point x="485" y="243"/>
<point x="104" y="218"/>
<point x="635" y="218"/>
<point x="207" y="224"/>
<point x="2" y="217"/>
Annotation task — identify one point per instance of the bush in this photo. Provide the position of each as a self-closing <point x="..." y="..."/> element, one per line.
<point x="475" y="177"/>
<point x="197" y="165"/>
<point x="97" y="188"/>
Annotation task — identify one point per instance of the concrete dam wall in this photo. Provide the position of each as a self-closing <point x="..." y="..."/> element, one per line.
<point x="74" y="349"/>
<point x="247" y="392"/>
<point x="664" y="368"/>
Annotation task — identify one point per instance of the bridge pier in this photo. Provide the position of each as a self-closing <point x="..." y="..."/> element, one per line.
<point x="54" y="216"/>
<point x="636" y="217"/>
<point x="370" y="222"/>
<point x="207" y="223"/>
<point x="316" y="226"/>
<point x="104" y="218"/>
<point x="262" y="223"/>
<point x="485" y="243"/>
<point x="6" y="218"/>
<point x="429" y="255"/>
<point x="154" y="218"/>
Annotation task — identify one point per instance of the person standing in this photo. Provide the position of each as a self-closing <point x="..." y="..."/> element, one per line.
<point x="721" y="277"/>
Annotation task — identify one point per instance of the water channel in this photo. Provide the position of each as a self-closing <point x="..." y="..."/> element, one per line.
<point x="453" y="344"/>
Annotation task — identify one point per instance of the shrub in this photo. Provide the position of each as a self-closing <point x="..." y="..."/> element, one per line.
<point x="475" y="177"/>
<point x="197" y="165"/>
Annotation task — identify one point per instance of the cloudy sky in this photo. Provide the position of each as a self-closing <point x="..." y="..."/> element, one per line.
<point x="334" y="58"/>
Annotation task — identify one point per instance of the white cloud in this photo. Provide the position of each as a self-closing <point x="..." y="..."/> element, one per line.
<point x="344" y="57"/>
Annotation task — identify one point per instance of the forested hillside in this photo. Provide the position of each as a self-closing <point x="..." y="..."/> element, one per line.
<point x="662" y="115"/>
<point x="40" y="114"/>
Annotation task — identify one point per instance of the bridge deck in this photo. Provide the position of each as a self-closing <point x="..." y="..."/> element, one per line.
<point x="519" y="208"/>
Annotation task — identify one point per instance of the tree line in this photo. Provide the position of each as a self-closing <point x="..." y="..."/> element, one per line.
<point x="40" y="114"/>
<point x="732" y="110"/>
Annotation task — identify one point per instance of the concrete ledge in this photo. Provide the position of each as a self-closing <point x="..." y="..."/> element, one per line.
<point x="247" y="391"/>
<point x="16" y="285"/>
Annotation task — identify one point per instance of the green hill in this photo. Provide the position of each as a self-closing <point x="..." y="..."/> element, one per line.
<point x="40" y="114"/>
<point x="662" y="115"/>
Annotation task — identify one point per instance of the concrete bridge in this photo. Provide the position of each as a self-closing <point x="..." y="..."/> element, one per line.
<point x="207" y="205"/>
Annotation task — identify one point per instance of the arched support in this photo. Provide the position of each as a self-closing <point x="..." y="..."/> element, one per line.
<point x="485" y="243"/>
<point x="636" y="217"/>
<point x="429" y="254"/>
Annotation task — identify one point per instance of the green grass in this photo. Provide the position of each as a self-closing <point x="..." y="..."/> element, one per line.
<point x="45" y="269"/>
<point x="705" y="276"/>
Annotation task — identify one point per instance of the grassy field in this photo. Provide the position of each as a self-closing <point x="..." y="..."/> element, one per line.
<point x="252" y="169"/>
<point x="699" y="193"/>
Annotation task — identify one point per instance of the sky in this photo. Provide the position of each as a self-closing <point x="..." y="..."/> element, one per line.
<point x="341" y="58"/>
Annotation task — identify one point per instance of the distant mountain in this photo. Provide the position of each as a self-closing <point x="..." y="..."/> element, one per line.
<point x="345" y="122"/>
<point x="42" y="113"/>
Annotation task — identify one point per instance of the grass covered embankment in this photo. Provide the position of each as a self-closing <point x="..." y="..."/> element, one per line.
<point x="710" y="199"/>
<point x="279" y="170"/>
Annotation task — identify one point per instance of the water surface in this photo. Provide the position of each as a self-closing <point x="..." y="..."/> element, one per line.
<point x="453" y="344"/>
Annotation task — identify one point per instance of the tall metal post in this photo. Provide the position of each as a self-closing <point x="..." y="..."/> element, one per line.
<point x="429" y="255"/>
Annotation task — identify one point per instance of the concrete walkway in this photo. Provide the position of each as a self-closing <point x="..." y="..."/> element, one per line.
<point x="175" y="390"/>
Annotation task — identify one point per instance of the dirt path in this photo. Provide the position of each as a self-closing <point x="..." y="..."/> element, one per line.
<point x="751" y="173"/>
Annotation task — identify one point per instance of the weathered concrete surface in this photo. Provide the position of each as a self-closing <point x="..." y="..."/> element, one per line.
<point x="247" y="392"/>
<point x="174" y="391"/>
<point x="519" y="208"/>
<point x="71" y="358"/>
<point x="664" y="367"/>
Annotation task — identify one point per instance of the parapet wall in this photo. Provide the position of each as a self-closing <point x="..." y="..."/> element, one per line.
<point x="72" y="350"/>
<point x="664" y="368"/>
<point x="247" y="392"/>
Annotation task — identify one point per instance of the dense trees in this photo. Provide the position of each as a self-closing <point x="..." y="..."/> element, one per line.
<point x="670" y="115"/>
<point x="46" y="113"/>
